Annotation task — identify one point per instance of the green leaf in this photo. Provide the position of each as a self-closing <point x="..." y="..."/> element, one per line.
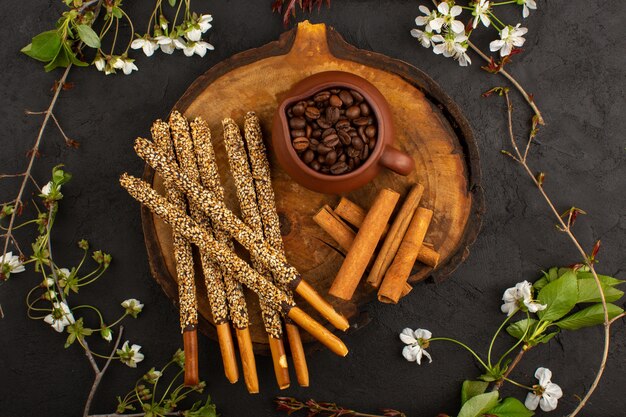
<point x="588" y="292"/>
<point x="72" y="57"/>
<point x="544" y="338"/>
<point x="479" y="405"/>
<point x="61" y="60"/>
<point x="117" y="12"/>
<point x="87" y="35"/>
<point x="172" y="2"/>
<point x="518" y="328"/>
<point x="590" y="316"/>
<point x="471" y="389"/>
<point x="605" y="279"/>
<point x="510" y="407"/>
<point x="44" y="47"/>
<point x="560" y="296"/>
<point x="540" y="283"/>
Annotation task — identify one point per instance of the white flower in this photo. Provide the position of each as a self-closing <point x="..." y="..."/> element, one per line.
<point x="46" y="189"/>
<point x="130" y="355"/>
<point x="546" y="394"/>
<point x="520" y="296"/>
<point x="193" y="33"/>
<point x="106" y="334"/>
<point x="148" y="45"/>
<point x="481" y="12"/>
<point x="425" y="20"/>
<point x="48" y="282"/>
<point x="127" y="65"/>
<point x="528" y="4"/>
<point x="10" y="264"/>
<point x="451" y="45"/>
<point x="63" y="273"/>
<point x="423" y="37"/>
<point x="60" y="317"/>
<point x="417" y="342"/>
<point x="463" y="58"/>
<point x="509" y="37"/>
<point x="447" y="17"/>
<point x="132" y="306"/>
<point x="50" y="295"/>
<point x="204" y="22"/>
<point x="100" y="63"/>
<point x="198" y="48"/>
<point x="168" y="44"/>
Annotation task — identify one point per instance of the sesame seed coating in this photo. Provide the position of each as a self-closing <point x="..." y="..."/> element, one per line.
<point x="246" y="195"/>
<point x="194" y="232"/>
<point x="209" y="176"/>
<point x="182" y="249"/>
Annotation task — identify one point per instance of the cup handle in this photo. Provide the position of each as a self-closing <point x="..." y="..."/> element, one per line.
<point x="397" y="161"/>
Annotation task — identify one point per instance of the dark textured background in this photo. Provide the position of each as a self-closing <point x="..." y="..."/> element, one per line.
<point x="574" y="64"/>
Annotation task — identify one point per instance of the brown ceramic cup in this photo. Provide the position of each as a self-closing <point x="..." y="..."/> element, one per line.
<point x="383" y="154"/>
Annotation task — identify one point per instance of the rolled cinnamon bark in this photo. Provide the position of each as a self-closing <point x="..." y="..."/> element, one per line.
<point x="399" y="271"/>
<point x="223" y="218"/>
<point x="184" y="269"/>
<point x="364" y="245"/>
<point x="266" y="200"/>
<point x="395" y="235"/>
<point x="247" y="197"/>
<point x="354" y="214"/>
<point x="192" y="231"/>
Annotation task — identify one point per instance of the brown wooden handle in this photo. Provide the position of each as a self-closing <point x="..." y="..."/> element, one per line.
<point x="322" y="306"/>
<point x="279" y="358"/>
<point x="248" y="363"/>
<point x="297" y="354"/>
<point x="190" y="345"/>
<point x="227" y="348"/>
<point x="318" y="331"/>
<point x="397" y="161"/>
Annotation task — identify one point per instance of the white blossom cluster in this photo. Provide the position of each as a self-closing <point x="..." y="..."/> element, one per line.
<point x="449" y="36"/>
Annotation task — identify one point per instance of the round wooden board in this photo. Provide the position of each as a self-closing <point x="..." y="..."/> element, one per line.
<point x="429" y="126"/>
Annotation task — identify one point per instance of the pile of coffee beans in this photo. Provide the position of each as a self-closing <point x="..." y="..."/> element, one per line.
<point x="333" y="131"/>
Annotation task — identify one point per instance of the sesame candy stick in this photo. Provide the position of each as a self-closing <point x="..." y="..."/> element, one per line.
<point x="192" y="231"/>
<point x="271" y="225"/>
<point x="246" y="194"/>
<point x="184" y="268"/>
<point x="223" y="218"/>
<point x="216" y="293"/>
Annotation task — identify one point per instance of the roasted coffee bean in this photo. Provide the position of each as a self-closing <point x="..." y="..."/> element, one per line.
<point x="332" y="114"/>
<point x="323" y="149"/>
<point x="308" y="156"/>
<point x="353" y="112"/>
<point x="335" y="101"/>
<point x="331" y="158"/>
<point x="357" y="96"/>
<point x="297" y="123"/>
<point x="334" y="131"/>
<point x="300" y="144"/>
<point x="315" y="165"/>
<point x="357" y="142"/>
<point x="312" y="113"/>
<point x="321" y="96"/>
<point x="328" y="131"/>
<point x="331" y="140"/>
<point x="361" y="121"/>
<point x="344" y="137"/>
<point x="323" y="123"/>
<point x="365" y="109"/>
<point x="339" y="168"/>
<point x="346" y="98"/>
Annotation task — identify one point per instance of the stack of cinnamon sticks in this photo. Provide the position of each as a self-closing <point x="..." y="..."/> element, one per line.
<point x="400" y="244"/>
<point x="182" y="154"/>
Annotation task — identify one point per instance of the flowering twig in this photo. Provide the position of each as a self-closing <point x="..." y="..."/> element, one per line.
<point x="291" y="405"/>
<point x="99" y="372"/>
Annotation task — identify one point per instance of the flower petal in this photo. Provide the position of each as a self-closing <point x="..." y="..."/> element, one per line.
<point x="548" y="403"/>
<point x="544" y="375"/>
<point x="422" y="334"/>
<point x="410" y="352"/>
<point x="532" y="401"/>
<point x="407" y="336"/>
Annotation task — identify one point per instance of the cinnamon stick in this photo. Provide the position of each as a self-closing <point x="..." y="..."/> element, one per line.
<point x="354" y="214"/>
<point x="364" y="245"/>
<point x="337" y="229"/>
<point x="396" y="233"/>
<point x="399" y="271"/>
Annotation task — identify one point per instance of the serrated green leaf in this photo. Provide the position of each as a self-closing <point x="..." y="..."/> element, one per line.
<point x="518" y="328"/>
<point x="590" y="316"/>
<point x="44" y="47"/>
<point x="540" y="283"/>
<point x="88" y="36"/>
<point x="479" y="405"/>
<point x="553" y="274"/>
<point x="605" y="279"/>
<point x="588" y="292"/>
<point x="560" y="296"/>
<point x="72" y="57"/>
<point x="510" y="407"/>
<point x="471" y="389"/>
<point x="60" y="60"/>
<point x="545" y="338"/>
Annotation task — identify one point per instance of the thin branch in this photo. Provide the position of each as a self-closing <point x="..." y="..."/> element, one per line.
<point x="67" y="139"/>
<point x="99" y="373"/>
<point x="512" y="366"/>
<point x="175" y="413"/>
